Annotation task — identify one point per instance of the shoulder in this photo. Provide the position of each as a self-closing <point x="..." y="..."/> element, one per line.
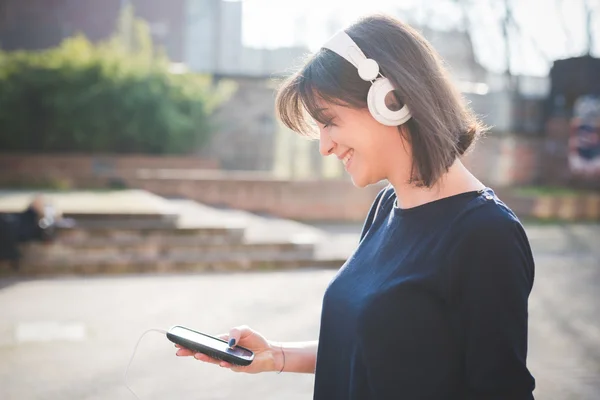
<point x="489" y="218"/>
<point x="489" y="238"/>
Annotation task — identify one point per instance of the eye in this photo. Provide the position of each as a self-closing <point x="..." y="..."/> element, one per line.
<point x="328" y="124"/>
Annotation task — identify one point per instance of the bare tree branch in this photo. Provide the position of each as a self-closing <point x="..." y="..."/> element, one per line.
<point x="588" y="26"/>
<point x="532" y="41"/>
<point x="506" y="23"/>
<point x="563" y="23"/>
<point x="466" y="24"/>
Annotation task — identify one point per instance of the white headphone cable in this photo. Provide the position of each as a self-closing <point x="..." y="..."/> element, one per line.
<point x="133" y="355"/>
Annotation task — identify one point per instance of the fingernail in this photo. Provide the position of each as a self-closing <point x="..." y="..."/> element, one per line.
<point x="231" y="342"/>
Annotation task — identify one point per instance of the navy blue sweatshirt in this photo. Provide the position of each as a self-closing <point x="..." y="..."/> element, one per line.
<point x="432" y="305"/>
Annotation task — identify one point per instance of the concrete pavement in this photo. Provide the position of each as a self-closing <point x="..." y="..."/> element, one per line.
<point x="92" y="324"/>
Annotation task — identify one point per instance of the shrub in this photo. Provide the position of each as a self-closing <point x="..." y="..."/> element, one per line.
<point x="117" y="96"/>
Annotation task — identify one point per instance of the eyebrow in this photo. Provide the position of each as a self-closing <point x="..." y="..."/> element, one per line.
<point x="326" y="112"/>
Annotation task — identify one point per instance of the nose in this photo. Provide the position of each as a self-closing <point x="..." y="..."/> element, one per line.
<point x="326" y="145"/>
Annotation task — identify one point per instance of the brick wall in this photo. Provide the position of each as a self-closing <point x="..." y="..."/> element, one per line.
<point x="506" y="160"/>
<point x="499" y="161"/>
<point x="83" y="170"/>
<point x="336" y="200"/>
<point x="320" y="200"/>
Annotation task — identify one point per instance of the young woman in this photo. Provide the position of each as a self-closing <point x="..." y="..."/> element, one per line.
<point x="433" y="304"/>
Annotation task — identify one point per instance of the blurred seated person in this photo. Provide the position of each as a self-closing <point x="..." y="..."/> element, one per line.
<point x="37" y="222"/>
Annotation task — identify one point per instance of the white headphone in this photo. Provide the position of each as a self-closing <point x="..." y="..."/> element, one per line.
<point x="368" y="69"/>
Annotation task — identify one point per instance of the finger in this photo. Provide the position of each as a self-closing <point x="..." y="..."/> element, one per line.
<point x="225" y="364"/>
<point x="184" y="353"/>
<point x="205" y="358"/>
<point x="238" y="333"/>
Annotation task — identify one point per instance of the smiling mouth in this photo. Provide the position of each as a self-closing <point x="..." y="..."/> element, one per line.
<point x="347" y="157"/>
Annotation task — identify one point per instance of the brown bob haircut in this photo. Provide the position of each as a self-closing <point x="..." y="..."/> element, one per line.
<point x="442" y="127"/>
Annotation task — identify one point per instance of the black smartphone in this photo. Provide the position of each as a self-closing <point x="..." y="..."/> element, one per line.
<point x="210" y="345"/>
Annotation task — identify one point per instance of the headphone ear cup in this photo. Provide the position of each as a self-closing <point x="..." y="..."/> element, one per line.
<point x="379" y="110"/>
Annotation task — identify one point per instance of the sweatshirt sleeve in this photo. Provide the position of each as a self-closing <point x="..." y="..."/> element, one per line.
<point x="494" y="272"/>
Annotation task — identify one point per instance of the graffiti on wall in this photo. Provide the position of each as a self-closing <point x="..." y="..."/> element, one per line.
<point x="584" y="141"/>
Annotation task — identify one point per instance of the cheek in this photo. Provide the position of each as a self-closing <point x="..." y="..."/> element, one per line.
<point x="376" y="152"/>
<point x="378" y="158"/>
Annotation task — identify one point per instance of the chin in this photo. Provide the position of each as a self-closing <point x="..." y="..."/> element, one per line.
<point x="360" y="182"/>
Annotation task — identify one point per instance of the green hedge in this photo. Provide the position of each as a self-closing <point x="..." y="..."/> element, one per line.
<point x="117" y="97"/>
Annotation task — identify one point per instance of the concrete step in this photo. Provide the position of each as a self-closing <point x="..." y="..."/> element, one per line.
<point x="163" y="236"/>
<point x="203" y="238"/>
<point x="39" y="254"/>
<point x="138" y="221"/>
<point x="257" y="228"/>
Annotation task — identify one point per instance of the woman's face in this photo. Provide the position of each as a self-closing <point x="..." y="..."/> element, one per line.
<point x="369" y="150"/>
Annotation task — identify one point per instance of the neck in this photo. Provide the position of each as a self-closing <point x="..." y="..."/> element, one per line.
<point x="457" y="180"/>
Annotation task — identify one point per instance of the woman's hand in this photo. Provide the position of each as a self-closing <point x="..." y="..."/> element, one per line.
<point x="265" y="354"/>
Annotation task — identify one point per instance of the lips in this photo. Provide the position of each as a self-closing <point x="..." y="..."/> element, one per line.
<point x="347" y="157"/>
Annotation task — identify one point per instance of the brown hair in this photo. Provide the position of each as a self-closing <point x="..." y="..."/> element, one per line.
<point x="442" y="127"/>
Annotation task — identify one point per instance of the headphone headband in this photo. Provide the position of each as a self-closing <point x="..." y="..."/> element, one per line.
<point x="368" y="69"/>
<point x="342" y="44"/>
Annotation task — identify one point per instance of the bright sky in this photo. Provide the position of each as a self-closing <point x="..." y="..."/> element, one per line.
<point x="274" y="23"/>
